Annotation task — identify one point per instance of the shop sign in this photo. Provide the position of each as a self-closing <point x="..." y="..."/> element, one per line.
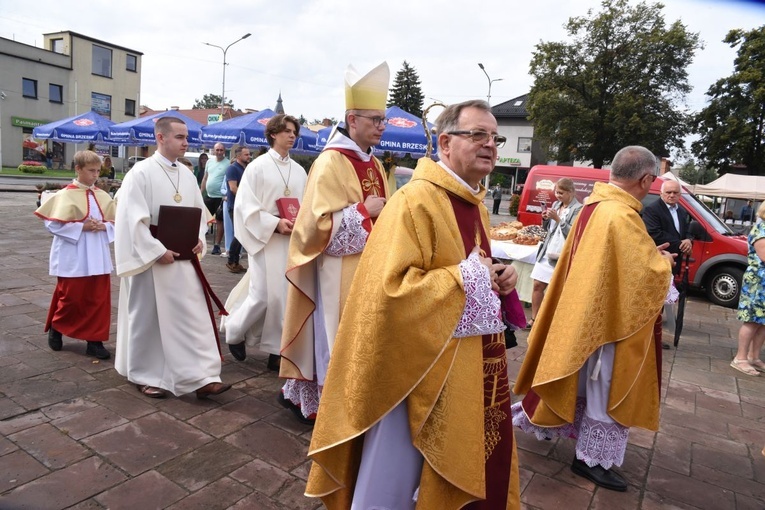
<point x="26" y="123"/>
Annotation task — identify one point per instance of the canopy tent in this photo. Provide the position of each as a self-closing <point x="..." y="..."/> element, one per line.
<point x="734" y="186"/>
<point x="88" y="127"/>
<point x="140" y="131"/>
<point x="250" y="130"/>
<point x="403" y="134"/>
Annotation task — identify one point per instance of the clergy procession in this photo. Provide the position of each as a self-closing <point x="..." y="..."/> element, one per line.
<point x="383" y="311"/>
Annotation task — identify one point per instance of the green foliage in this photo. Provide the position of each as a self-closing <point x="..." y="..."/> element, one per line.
<point x="406" y="92"/>
<point x="501" y="179"/>
<point x="32" y="169"/>
<point x="732" y="126"/>
<point x="693" y="173"/>
<point x="515" y="201"/>
<point x="619" y="81"/>
<point x="210" y="101"/>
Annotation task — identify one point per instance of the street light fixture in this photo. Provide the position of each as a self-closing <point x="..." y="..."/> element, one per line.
<point x="224" y="50"/>
<point x="488" y="96"/>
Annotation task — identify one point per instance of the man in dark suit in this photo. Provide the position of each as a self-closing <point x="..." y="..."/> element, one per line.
<point x="667" y="222"/>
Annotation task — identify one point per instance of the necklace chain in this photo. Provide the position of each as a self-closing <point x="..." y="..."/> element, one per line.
<point x="289" y="174"/>
<point x="177" y="197"/>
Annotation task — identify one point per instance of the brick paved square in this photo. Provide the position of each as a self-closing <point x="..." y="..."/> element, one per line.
<point x="147" y="442"/>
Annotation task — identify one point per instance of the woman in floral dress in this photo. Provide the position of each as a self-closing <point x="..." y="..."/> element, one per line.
<point x="751" y="305"/>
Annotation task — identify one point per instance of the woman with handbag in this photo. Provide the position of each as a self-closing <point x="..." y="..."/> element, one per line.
<point x="557" y="221"/>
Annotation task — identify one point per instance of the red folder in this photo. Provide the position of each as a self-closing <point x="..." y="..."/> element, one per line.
<point x="288" y="207"/>
<point x="178" y="229"/>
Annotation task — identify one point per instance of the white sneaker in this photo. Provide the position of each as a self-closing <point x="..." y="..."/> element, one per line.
<point x="224" y="254"/>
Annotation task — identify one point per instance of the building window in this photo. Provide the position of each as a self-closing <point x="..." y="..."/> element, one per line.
<point x="102" y="61"/>
<point x="101" y="104"/>
<point x="130" y="107"/>
<point x="132" y="63"/>
<point x="524" y="144"/>
<point x="57" y="45"/>
<point x="29" y="88"/>
<point x="55" y="93"/>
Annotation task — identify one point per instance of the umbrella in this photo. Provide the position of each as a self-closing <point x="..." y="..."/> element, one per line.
<point x="403" y="134"/>
<point x="140" y="131"/>
<point x="682" y="291"/>
<point x="250" y="130"/>
<point x="83" y="128"/>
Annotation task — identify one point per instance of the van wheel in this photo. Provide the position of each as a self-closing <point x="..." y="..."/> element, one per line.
<point x="724" y="286"/>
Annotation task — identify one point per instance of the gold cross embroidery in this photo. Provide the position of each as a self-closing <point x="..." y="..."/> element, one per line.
<point x="372" y="184"/>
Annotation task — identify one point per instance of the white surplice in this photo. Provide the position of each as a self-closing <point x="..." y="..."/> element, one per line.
<point x="165" y="337"/>
<point x="256" y="305"/>
<point x="75" y="253"/>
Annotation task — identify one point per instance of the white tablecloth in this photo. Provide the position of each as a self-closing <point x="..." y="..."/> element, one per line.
<point x="512" y="251"/>
<point x="523" y="257"/>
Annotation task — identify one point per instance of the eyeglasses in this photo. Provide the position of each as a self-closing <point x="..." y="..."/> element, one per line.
<point x="376" y="120"/>
<point x="652" y="176"/>
<point x="481" y="137"/>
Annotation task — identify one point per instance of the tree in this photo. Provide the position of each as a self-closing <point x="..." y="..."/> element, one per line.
<point x="619" y="81"/>
<point x="210" y="101"/>
<point x="406" y="92"/>
<point x="693" y="173"/>
<point x="732" y="126"/>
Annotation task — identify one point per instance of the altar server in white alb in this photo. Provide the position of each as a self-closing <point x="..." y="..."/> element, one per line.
<point x="166" y="333"/>
<point x="256" y="305"/>
<point x="81" y="219"/>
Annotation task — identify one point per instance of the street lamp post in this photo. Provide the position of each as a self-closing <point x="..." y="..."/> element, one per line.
<point x="488" y="96"/>
<point x="224" y="50"/>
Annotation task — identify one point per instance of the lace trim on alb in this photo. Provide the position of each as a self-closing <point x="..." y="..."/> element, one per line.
<point x="351" y="236"/>
<point x="601" y="443"/>
<point x="598" y="443"/>
<point x="481" y="313"/>
<point x="304" y="394"/>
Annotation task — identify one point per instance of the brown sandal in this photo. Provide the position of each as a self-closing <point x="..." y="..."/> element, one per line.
<point x="151" y="391"/>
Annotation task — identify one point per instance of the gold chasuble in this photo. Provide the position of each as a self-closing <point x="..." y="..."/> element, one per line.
<point x="71" y="205"/>
<point x="333" y="184"/>
<point x="610" y="291"/>
<point x="395" y="345"/>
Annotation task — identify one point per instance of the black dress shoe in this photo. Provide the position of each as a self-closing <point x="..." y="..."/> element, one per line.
<point x="54" y="339"/>
<point x="239" y="351"/>
<point x="97" y="349"/>
<point x="295" y="410"/>
<point x="274" y="361"/>
<point x="600" y="476"/>
<point x="213" y="388"/>
<point x="665" y="346"/>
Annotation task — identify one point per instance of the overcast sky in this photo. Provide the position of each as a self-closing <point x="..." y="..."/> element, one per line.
<point x="302" y="48"/>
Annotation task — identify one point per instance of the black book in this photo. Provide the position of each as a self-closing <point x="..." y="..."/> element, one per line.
<point x="178" y="229"/>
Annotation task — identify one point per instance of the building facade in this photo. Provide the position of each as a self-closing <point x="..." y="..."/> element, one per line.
<point x="521" y="151"/>
<point x="71" y="74"/>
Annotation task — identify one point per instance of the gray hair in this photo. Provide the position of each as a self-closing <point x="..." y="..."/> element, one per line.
<point x="449" y="120"/>
<point x="633" y="162"/>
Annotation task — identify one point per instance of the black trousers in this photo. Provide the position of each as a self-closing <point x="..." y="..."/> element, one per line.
<point x="495" y="210"/>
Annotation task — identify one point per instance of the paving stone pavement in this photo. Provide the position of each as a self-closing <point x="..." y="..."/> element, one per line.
<point x="75" y="434"/>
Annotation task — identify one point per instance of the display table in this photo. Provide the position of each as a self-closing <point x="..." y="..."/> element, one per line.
<point x="523" y="258"/>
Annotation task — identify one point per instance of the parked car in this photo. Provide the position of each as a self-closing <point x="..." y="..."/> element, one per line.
<point x="719" y="254"/>
<point x="132" y="160"/>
